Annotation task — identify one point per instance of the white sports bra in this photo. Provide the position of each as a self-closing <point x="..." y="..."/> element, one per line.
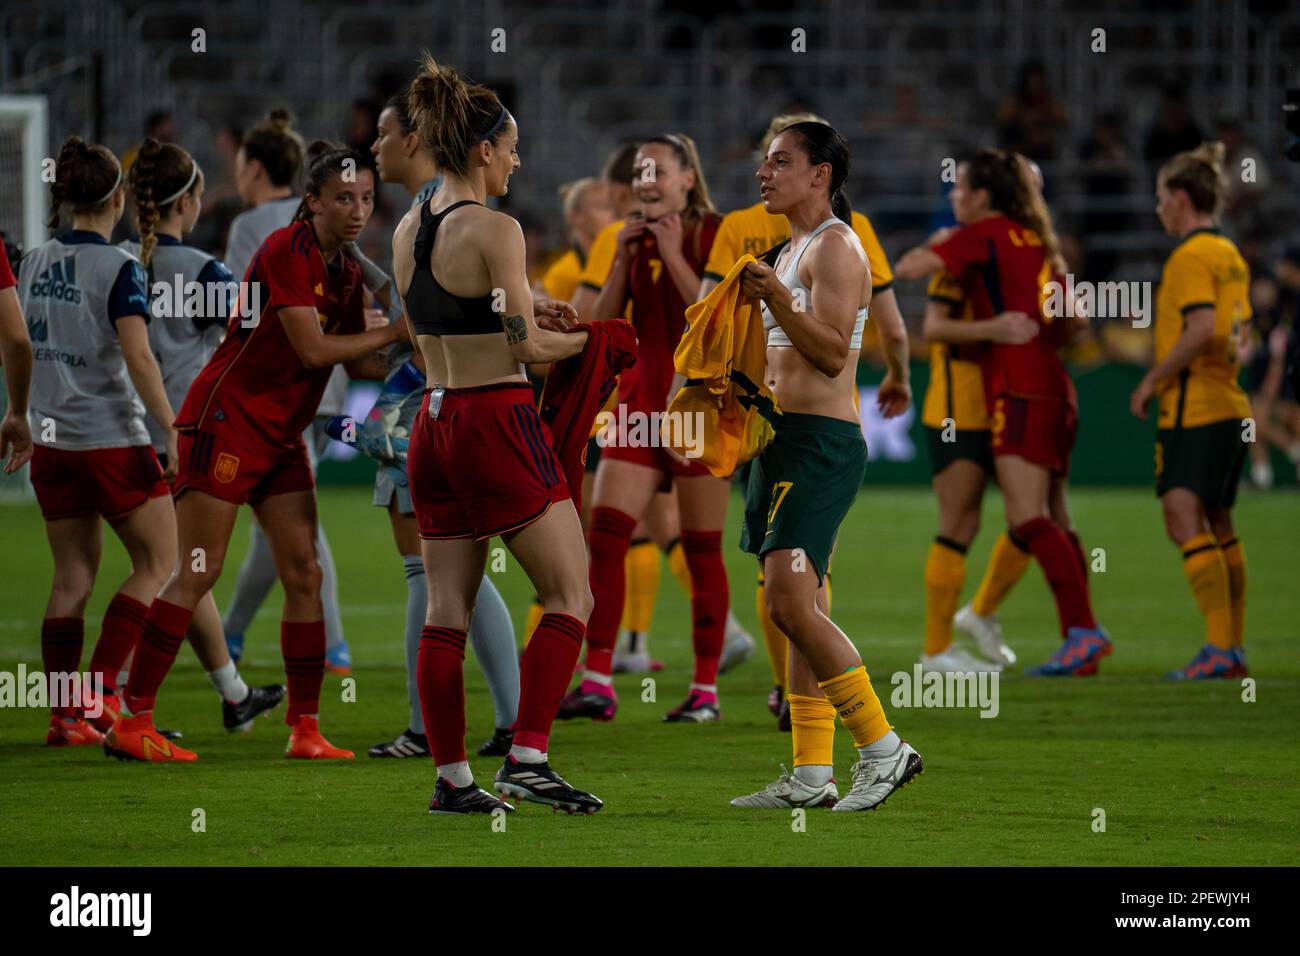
<point x="776" y="337"/>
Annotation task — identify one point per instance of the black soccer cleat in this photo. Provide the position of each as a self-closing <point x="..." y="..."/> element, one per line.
<point x="448" y="799"/>
<point x="238" y="718"/>
<point x="540" y="784"/>
<point x="576" y="703"/>
<point x="406" y="744"/>
<point x="499" y="744"/>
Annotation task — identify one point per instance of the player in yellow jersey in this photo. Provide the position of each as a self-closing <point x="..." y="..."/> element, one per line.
<point x="588" y="208"/>
<point x="1202" y="307"/>
<point x="754" y="231"/>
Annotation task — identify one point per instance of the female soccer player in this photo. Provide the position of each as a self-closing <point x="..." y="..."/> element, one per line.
<point x="1201" y="312"/>
<point x="1005" y="253"/>
<point x="481" y="462"/>
<point x="16" y="359"/>
<point x="87" y="305"/>
<point x="243" y="420"/>
<point x="167" y="186"/>
<point x="267" y="167"/>
<point x="656" y="270"/>
<point x="801" y="487"/>
<point x="402" y="157"/>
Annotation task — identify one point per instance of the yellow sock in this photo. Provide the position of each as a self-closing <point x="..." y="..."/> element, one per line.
<point x="642" y="571"/>
<point x="535" y="611"/>
<point x="1234" y="556"/>
<point x="945" y="574"/>
<point x="1207" y="573"/>
<point x="1007" y="564"/>
<point x="676" y="556"/>
<point x="812" y="727"/>
<point x="856" y="702"/>
<point x="778" y="645"/>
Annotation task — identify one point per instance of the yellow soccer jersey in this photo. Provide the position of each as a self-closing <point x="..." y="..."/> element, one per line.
<point x="956" y="388"/>
<point x="1205" y="270"/>
<point x="600" y="257"/>
<point x="561" y="280"/>
<point x="753" y="231"/>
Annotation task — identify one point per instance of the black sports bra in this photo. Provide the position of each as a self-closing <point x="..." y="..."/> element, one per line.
<point x="434" y="310"/>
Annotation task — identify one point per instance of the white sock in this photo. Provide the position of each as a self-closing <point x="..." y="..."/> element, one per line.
<point x="605" y="679"/>
<point x="527" y="754"/>
<point x="228" y="683"/>
<point x="458" y="773"/>
<point x="814" y="774"/>
<point x="704" y="689"/>
<point x="883" y="747"/>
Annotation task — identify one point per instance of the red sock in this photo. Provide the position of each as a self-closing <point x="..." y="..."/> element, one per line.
<point x="544" y="673"/>
<point x="1083" y="562"/>
<point x="302" y="644"/>
<point x="609" y="537"/>
<point x="160" y="638"/>
<point x="61" y="640"/>
<point x="1060" y="564"/>
<point x="121" y="629"/>
<point x="710" y="600"/>
<point x="440" y="675"/>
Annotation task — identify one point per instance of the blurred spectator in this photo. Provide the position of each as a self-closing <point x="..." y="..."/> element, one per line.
<point x="1172" y="130"/>
<point x="917" y="139"/>
<point x="1242" y="200"/>
<point x="1030" y="117"/>
<point x="159" y="125"/>
<point x="1108" y="169"/>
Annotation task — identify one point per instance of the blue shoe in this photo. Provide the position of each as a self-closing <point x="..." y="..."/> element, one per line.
<point x="338" y="659"/>
<point x="1209" y="663"/>
<point x="235" y="645"/>
<point x="1077" y="656"/>
<point x="1239" y="655"/>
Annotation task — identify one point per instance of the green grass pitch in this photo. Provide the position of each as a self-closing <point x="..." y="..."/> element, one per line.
<point x="1185" y="774"/>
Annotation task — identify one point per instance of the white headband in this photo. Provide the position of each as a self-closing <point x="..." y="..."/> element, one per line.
<point x="108" y="195"/>
<point x="194" y="174"/>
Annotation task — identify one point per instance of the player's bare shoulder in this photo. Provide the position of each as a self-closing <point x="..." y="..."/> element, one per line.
<point x="834" y="251"/>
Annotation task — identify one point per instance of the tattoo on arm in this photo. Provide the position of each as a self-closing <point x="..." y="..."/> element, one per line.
<point x="516" y="328"/>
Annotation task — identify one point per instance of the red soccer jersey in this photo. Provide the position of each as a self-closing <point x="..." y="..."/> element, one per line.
<point x="255" y="389"/>
<point x="1003" y="267"/>
<point x="7" y="279"/>
<point x="659" y="314"/>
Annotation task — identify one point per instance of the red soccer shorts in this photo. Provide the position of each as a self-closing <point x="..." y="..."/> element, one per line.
<point x="218" y="466"/>
<point x="485" y="466"/>
<point x="638" y="442"/>
<point x="1038" y="430"/>
<point x="112" y="482"/>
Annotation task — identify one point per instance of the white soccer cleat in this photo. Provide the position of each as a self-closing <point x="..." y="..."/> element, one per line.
<point x="875" y="780"/>
<point x="957" y="660"/>
<point x="1261" y="475"/>
<point x="986" y="632"/>
<point x="738" y="646"/>
<point x="787" y="793"/>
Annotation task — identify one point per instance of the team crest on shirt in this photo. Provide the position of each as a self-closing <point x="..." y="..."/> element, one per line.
<point x="225" y="468"/>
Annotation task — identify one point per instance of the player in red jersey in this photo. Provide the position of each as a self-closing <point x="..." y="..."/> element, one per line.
<point x="241" y="443"/>
<point x="16" y="358"/>
<point x="660" y="257"/>
<point x="1006" y="255"/>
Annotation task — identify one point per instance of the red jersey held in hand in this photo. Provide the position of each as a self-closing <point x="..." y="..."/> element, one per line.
<point x="255" y="390"/>
<point x="1003" y="267"/>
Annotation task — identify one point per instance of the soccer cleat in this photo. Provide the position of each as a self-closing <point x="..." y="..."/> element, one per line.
<point x="540" y="784"/>
<point x="499" y="744"/>
<point x="783" y="721"/>
<point x="338" y="659"/>
<point x="135" y="738"/>
<point x="306" y="743"/>
<point x="874" y="781"/>
<point x="737" y="648"/>
<point x="72" y="732"/>
<point x="1209" y="663"/>
<point x="1077" y="656"/>
<point x="775" y="700"/>
<point x="112" y="706"/>
<point x="448" y="799"/>
<point x="788" y="793"/>
<point x="1239" y="655"/>
<point x="587" y="703"/>
<point x="698" y="708"/>
<point x="986" y="632"/>
<point x="957" y="660"/>
<point x="238" y="718"/>
<point x="406" y="744"/>
<point x="235" y="645"/>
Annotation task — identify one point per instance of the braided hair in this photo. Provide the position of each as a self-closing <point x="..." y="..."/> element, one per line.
<point x="161" y="174"/>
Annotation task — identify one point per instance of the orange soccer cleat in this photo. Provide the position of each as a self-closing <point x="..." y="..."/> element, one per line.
<point x="71" y="732"/>
<point x="112" y="707"/>
<point x="135" y="738"/>
<point x="306" y="743"/>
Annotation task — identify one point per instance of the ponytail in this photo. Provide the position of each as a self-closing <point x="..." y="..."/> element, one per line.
<point x="1013" y="191"/>
<point x="162" y="174"/>
<point x="1199" y="173"/>
<point x="277" y="146"/>
<point x="822" y="144"/>
<point x="452" y="115"/>
<point x="86" y="178"/>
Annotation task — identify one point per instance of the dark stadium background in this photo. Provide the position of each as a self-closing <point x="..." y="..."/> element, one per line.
<point x="908" y="84"/>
